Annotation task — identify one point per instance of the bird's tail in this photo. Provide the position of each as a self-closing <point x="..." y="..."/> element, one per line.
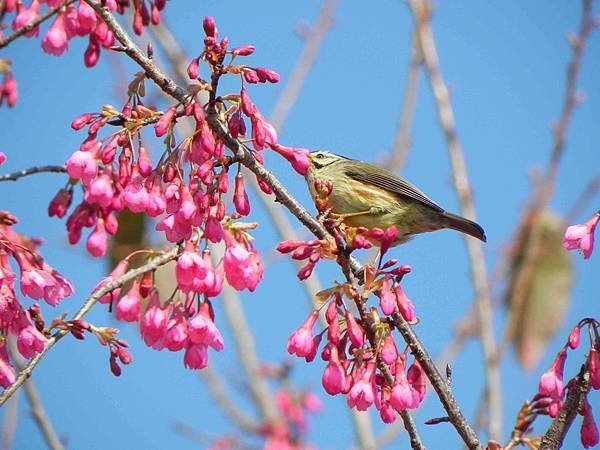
<point x="464" y="226"/>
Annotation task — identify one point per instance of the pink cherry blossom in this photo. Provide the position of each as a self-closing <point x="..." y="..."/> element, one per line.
<point x="300" y="342"/>
<point x="100" y="191"/>
<point x="30" y="342"/>
<point x="154" y="323"/>
<point x="56" y="39"/>
<point x="82" y="166"/>
<point x="97" y="242"/>
<point x="298" y="157"/>
<point x="130" y="305"/>
<point x="202" y="330"/>
<point x="25" y="16"/>
<point x="196" y="356"/>
<point x="334" y="376"/>
<point x="582" y="236"/>
<point x="243" y="268"/>
<point x="362" y="394"/>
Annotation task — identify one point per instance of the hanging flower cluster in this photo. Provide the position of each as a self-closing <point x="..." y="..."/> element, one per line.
<point x="188" y="191"/>
<point x="363" y="361"/>
<point x="78" y="18"/>
<point x="38" y="281"/>
<point x="552" y="389"/>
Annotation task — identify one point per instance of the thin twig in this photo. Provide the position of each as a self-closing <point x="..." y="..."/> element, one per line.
<point x="173" y="51"/>
<point x="285" y="198"/>
<point x="31" y="171"/>
<point x="217" y="388"/>
<point x="578" y="388"/>
<point x="303" y="65"/>
<point x="38" y="412"/>
<point x="421" y="10"/>
<point x="25" y="373"/>
<point x="34" y="23"/>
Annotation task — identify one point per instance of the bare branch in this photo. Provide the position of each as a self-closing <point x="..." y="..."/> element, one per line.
<point x="34" y="23"/>
<point x="421" y="10"/>
<point x="9" y="425"/>
<point x="402" y="141"/>
<point x="217" y="388"/>
<point x="38" y="412"/>
<point x="25" y="373"/>
<point x="546" y="187"/>
<point x="31" y="171"/>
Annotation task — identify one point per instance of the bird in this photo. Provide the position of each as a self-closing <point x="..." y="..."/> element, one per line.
<point x="365" y="195"/>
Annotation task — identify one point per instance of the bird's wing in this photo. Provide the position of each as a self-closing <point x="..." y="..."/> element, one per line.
<point x="366" y="173"/>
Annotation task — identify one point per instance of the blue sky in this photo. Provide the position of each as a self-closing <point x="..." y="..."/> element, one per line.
<point x="505" y="66"/>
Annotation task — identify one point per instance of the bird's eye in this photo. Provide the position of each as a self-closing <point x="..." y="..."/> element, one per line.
<point x="320" y="156"/>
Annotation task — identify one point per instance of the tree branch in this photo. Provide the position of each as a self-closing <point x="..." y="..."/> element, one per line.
<point x="578" y="388"/>
<point x="14" y="176"/>
<point x="38" y="20"/>
<point x="25" y="373"/>
<point x="421" y="10"/>
<point x="285" y="198"/>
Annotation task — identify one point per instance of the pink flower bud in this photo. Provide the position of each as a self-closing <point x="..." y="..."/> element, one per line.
<point x="56" y="39"/>
<point x="300" y="342"/>
<point x="60" y="203"/>
<point x="334" y="376"/>
<point x="240" y="198"/>
<point x="144" y="163"/>
<point x="574" y="338"/>
<point x="97" y="242"/>
<point x="387" y="299"/>
<point x="192" y="69"/>
<point x="248" y="107"/>
<point x="589" y="430"/>
<point x="244" y="50"/>
<point x="354" y="330"/>
<point x="251" y="76"/>
<point x="163" y="124"/>
<point x="298" y="157"/>
<point x="81" y="121"/>
<point x="389" y="352"/>
<point x="405" y="306"/>
<point x="266" y="75"/>
<point x="210" y="28"/>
